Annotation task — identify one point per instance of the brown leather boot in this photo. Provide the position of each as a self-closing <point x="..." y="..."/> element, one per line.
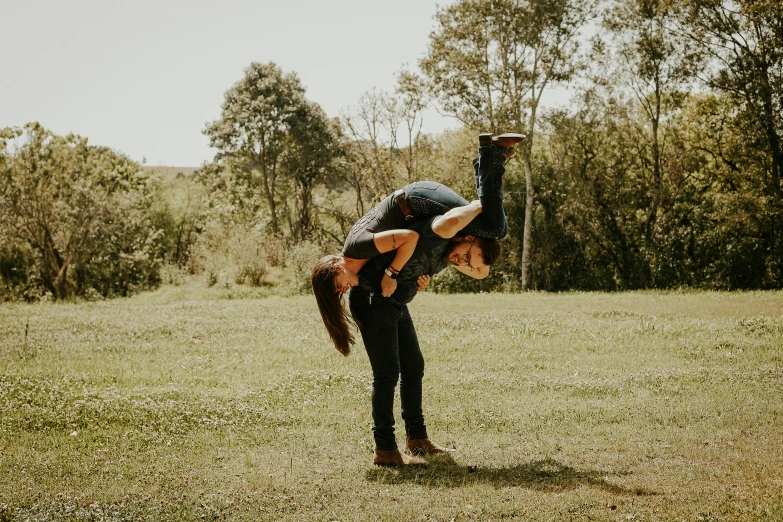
<point x="425" y="447"/>
<point x="395" y="458"/>
<point x="508" y="140"/>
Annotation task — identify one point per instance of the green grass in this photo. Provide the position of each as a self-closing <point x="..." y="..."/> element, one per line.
<point x="216" y="404"/>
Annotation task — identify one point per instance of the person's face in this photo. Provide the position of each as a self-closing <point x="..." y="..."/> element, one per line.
<point x="466" y="253"/>
<point x="344" y="280"/>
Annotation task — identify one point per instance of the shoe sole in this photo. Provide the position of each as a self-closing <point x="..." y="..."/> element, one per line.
<point x="397" y="465"/>
<point x="422" y="453"/>
<point x="510" y="140"/>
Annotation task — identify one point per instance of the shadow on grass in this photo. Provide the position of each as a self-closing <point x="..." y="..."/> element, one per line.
<point x="542" y="475"/>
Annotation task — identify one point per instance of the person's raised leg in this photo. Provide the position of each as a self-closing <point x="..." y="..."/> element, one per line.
<point x="488" y="170"/>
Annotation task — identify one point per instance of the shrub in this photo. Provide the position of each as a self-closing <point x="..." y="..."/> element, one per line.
<point x="227" y="251"/>
<point x="302" y="258"/>
<point x="79" y="216"/>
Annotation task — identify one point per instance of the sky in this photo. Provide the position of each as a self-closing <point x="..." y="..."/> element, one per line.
<point x="144" y="77"/>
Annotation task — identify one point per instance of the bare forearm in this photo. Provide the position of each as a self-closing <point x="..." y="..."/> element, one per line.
<point x="404" y="243"/>
<point x="404" y="254"/>
<point x="456" y="219"/>
<point x="395" y="240"/>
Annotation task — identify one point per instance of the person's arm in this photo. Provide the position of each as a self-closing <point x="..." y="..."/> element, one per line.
<point x="404" y="241"/>
<point x="447" y="225"/>
<point x="422" y="282"/>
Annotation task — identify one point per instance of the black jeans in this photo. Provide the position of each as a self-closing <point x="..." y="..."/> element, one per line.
<point x="390" y="339"/>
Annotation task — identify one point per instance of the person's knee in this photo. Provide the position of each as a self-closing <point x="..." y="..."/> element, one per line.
<point x="386" y="379"/>
<point x="414" y="369"/>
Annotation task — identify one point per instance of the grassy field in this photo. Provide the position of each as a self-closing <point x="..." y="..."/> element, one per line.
<point x="196" y="404"/>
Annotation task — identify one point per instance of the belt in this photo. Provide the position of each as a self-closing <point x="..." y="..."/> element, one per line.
<point x="399" y="197"/>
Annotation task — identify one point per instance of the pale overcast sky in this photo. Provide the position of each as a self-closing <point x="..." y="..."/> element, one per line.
<point x="143" y="77"/>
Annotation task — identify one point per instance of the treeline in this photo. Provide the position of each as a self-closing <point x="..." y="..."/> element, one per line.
<point x="664" y="171"/>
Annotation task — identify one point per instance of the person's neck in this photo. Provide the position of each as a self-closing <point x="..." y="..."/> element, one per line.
<point x="354" y="265"/>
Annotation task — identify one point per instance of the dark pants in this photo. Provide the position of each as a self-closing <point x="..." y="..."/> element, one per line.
<point x="393" y="348"/>
<point x="428" y="198"/>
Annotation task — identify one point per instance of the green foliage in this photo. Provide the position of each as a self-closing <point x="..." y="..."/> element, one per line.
<point x="276" y="150"/>
<point x="76" y="218"/>
<point x="593" y="209"/>
<point x="301" y="259"/>
<point x="226" y="252"/>
<point x="489" y="63"/>
<point x="17" y="272"/>
<point x="656" y="65"/>
<point x="665" y="172"/>
<point x="274" y="147"/>
<point x="746" y="39"/>
<point x="179" y="210"/>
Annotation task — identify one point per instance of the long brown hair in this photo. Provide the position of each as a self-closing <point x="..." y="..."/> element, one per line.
<point x="330" y="303"/>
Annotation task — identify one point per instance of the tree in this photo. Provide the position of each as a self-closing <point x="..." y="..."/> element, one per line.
<point x="744" y="39"/>
<point x="82" y="213"/>
<point x="178" y="210"/>
<point x="311" y="150"/>
<point x="372" y="173"/>
<point x="265" y="128"/>
<point x="489" y="62"/>
<point x="410" y="104"/>
<point x="387" y="144"/>
<point x="657" y="66"/>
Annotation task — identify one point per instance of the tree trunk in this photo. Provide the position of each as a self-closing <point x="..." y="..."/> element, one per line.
<point x="657" y="184"/>
<point x="530" y="191"/>
<point x="268" y="177"/>
<point x="55" y="268"/>
<point x="773" y="139"/>
<point x="269" y="192"/>
<point x="305" y="211"/>
<point x="61" y="283"/>
<point x="527" y="233"/>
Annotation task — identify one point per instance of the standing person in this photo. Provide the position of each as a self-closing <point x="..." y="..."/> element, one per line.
<point x="386" y="228"/>
<point x="388" y="332"/>
<point x="386" y="325"/>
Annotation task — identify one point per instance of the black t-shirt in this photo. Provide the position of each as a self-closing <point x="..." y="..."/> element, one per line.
<point x="360" y="243"/>
<point x="427" y="259"/>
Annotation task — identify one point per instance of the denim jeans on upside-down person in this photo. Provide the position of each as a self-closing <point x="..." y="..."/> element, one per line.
<point x="393" y="348"/>
<point x="428" y="198"/>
